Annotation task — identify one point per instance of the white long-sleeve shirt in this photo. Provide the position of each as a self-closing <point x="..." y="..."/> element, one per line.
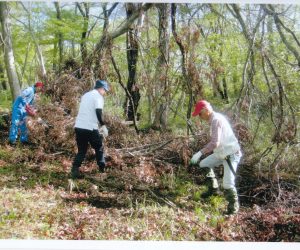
<point x="223" y="141"/>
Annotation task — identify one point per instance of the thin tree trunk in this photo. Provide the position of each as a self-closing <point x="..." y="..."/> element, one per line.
<point x="183" y="65"/>
<point x="86" y="15"/>
<point x="107" y="37"/>
<point x="270" y="10"/>
<point x="8" y="51"/>
<point x="123" y="86"/>
<point x="132" y="58"/>
<point x="60" y="36"/>
<point x="161" y="114"/>
<point x="35" y="40"/>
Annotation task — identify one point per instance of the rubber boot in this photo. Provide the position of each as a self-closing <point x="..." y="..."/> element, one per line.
<point x="233" y="202"/>
<point x="212" y="188"/>
<point x="211" y="183"/>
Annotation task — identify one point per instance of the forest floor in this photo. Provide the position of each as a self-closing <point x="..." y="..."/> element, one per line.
<point x="139" y="197"/>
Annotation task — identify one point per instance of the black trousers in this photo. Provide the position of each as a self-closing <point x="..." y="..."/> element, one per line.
<point x="85" y="137"/>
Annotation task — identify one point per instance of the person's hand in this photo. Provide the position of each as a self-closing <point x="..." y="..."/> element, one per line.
<point x="196" y="158"/>
<point x="104" y="131"/>
<point x="30" y="110"/>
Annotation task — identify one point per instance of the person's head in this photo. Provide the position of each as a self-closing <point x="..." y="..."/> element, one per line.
<point x="203" y="109"/>
<point x="101" y="86"/>
<point x="39" y="87"/>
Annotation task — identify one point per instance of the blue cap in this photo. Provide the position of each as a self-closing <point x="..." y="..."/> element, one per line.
<point x="101" y="84"/>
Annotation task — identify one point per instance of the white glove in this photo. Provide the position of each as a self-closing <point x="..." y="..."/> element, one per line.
<point x="196" y="158"/>
<point x="104" y="131"/>
<point x="42" y="122"/>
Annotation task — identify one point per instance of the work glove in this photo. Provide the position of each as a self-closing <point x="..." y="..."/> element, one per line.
<point x="195" y="158"/>
<point x="42" y="122"/>
<point x="104" y="131"/>
<point x="30" y="110"/>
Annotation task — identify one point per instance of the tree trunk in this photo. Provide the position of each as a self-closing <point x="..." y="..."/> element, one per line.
<point x="132" y="58"/>
<point x="162" y="88"/>
<point x="147" y="66"/>
<point x="183" y="65"/>
<point x="270" y="10"/>
<point x="86" y="15"/>
<point x="60" y="37"/>
<point x="35" y="40"/>
<point x="107" y="37"/>
<point x="8" y="51"/>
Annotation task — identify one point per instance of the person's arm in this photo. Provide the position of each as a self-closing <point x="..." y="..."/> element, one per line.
<point x="27" y="95"/>
<point x="100" y="117"/>
<point x="103" y="129"/>
<point x="216" y="130"/>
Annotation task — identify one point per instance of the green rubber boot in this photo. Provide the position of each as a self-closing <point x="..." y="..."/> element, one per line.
<point x="233" y="202"/>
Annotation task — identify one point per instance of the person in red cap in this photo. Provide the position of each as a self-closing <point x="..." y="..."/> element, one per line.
<point x="225" y="151"/>
<point x="23" y="106"/>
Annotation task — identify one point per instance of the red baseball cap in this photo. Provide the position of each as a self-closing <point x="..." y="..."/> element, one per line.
<point x="201" y="105"/>
<point x="39" y="84"/>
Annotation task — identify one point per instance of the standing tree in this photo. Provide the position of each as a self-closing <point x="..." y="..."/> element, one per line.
<point x="30" y="29"/>
<point x="132" y="58"/>
<point x="59" y="36"/>
<point x="85" y="12"/>
<point x="8" y="50"/>
<point x="184" y="64"/>
<point x="162" y="90"/>
<point x="108" y="36"/>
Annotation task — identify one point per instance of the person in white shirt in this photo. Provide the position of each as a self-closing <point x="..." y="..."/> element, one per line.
<point x="86" y="127"/>
<point x="225" y="151"/>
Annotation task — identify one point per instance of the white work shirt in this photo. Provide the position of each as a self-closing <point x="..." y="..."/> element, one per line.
<point x="87" y="118"/>
<point x="223" y="141"/>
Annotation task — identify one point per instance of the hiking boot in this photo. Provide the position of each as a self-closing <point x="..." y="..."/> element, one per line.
<point x="101" y="167"/>
<point x="75" y="174"/>
<point x="233" y="202"/>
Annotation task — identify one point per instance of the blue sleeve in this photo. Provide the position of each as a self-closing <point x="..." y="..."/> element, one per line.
<point x="27" y="95"/>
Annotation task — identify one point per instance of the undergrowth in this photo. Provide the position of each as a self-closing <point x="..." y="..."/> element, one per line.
<point x="39" y="204"/>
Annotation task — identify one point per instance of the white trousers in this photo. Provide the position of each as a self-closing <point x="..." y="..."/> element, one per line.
<point x="213" y="161"/>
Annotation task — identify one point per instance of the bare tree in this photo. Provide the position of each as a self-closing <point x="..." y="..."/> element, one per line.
<point x="185" y="72"/>
<point x="8" y="50"/>
<point x="85" y="12"/>
<point x="132" y="59"/>
<point x="162" y="90"/>
<point x="59" y="36"/>
<point x="269" y="9"/>
<point x="28" y="26"/>
<point x="107" y="36"/>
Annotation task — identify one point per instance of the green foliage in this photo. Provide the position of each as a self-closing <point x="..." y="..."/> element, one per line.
<point x="6" y="100"/>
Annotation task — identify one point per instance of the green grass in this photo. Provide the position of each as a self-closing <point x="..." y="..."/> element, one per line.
<point x="37" y="204"/>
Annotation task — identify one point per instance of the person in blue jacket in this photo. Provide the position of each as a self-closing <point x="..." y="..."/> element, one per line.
<point x="23" y="106"/>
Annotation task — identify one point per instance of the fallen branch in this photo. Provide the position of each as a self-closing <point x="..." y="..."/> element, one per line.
<point x="168" y="202"/>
